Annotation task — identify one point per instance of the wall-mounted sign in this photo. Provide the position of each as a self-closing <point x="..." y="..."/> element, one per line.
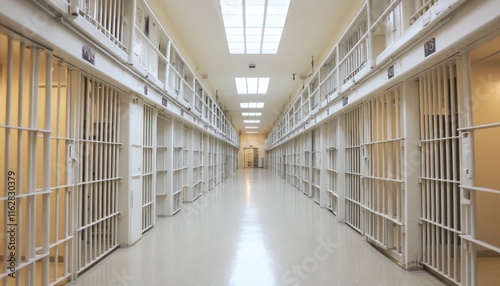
<point x="430" y="47"/>
<point x="88" y="54"/>
<point x="164" y="101"/>
<point x="345" y="101"/>
<point x="390" y="72"/>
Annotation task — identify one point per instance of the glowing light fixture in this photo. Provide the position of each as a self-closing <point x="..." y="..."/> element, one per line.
<point x="254" y="26"/>
<point x="252" y="104"/>
<point x="251" y="113"/>
<point x="252" y="85"/>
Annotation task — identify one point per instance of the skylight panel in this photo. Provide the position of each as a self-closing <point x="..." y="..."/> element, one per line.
<point x="233" y="21"/>
<point x="251" y="113"/>
<point x="262" y="83"/>
<point x="241" y="85"/>
<point x="275" y="21"/>
<point x="252" y="85"/>
<point x="250" y="20"/>
<point x="252" y="104"/>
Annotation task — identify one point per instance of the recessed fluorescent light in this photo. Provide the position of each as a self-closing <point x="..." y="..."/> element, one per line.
<point x="251" y="121"/>
<point x="252" y="132"/>
<point x="251" y="113"/>
<point x="252" y="85"/>
<point x="258" y="25"/>
<point x="252" y="104"/>
<point x="252" y="127"/>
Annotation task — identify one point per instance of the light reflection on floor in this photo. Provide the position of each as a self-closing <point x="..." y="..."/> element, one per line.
<point x="253" y="229"/>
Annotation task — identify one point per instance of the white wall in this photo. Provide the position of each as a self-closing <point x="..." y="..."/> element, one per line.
<point x="257" y="141"/>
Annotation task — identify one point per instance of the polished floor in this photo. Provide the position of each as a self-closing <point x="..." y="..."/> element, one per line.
<point x="253" y="229"/>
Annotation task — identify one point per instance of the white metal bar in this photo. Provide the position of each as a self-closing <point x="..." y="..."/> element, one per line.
<point x="20" y="171"/>
<point x="119" y="30"/>
<point x="102" y="186"/>
<point x="7" y="142"/>
<point x="46" y="172"/>
<point x="113" y="11"/>
<point x="32" y="159"/>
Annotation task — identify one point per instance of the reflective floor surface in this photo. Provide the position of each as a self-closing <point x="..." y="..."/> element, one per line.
<point x="253" y="229"/>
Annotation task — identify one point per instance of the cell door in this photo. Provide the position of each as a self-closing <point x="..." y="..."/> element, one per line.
<point x="354" y="191"/>
<point x="36" y="221"/>
<point x="316" y="164"/>
<point x="149" y="168"/>
<point x="97" y="145"/>
<point x="332" y="171"/>
<point x="440" y="171"/>
<point x="283" y="165"/>
<point x="383" y="172"/>
<point x="480" y="168"/>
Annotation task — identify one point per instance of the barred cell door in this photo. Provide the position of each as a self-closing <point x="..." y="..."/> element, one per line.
<point x="354" y="190"/>
<point x="480" y="134"/>
<point x="383" y="172"/>
<point x="316" y="165"/>
<point x="96" y="125"/>
<point x="440" y="171"/>
<point x="36" y="221"/>
<point x="332" y="171"/>
<point x="149" y="168"/>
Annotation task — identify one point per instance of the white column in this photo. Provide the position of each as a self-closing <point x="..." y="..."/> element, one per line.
<point x="411" y="167"/>
<point x="467" y="197"/>
<point x="131" y="127"/>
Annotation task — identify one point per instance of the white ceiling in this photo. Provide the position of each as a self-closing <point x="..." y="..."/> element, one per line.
<point x="310" y="29"/>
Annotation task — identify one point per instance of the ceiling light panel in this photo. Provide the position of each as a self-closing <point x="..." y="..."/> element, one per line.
<point x="252" y="127"/>
<point x="252" y="132"/>
<point x="263" y="83"/>
<point x="252" y="85"/>
<point x="251" y="121"/>
<point x="254" y="26"/>
<point x="251" y="113"/>
<point x="252" y="104"/>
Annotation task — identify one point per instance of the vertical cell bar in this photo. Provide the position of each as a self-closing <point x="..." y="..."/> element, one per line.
<point x="46" y="165"/>
<point x="32" y="159"/>
<point x="20" y="172"/>
<point x="93" y="180"/>
<point x="8" y="103"/>
<point x="107" y="168"/>
<point x="113" y="19"/>
<point x="101" y="179"/>
<point x="106" y="14"/>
